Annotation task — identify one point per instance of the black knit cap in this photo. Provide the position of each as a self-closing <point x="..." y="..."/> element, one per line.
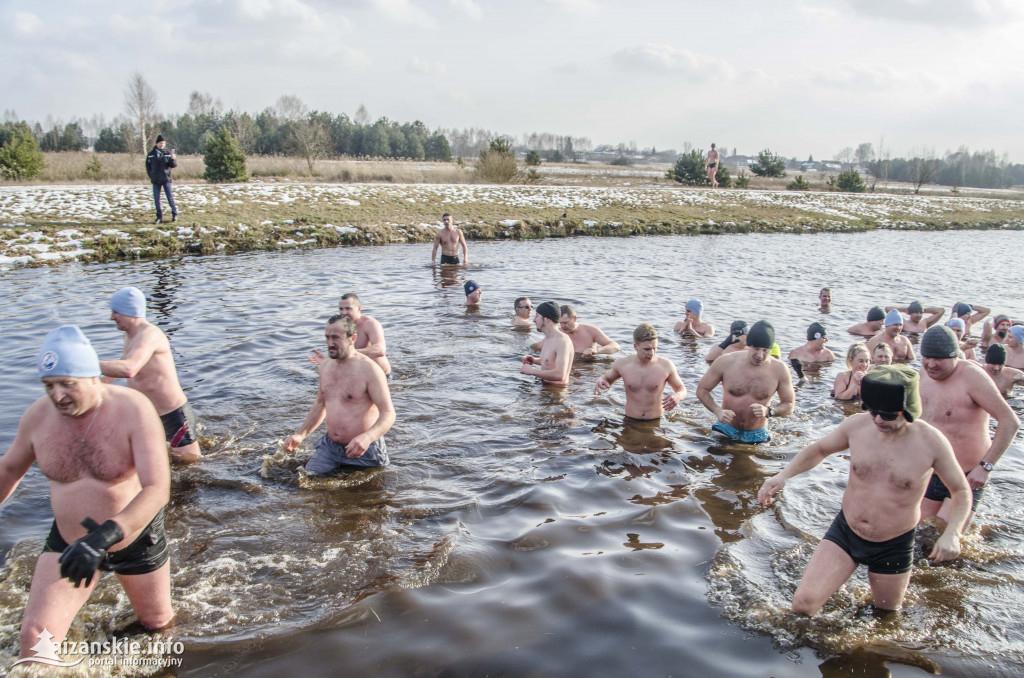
<point x="876" y="313"/>
<point x="891" y="389"/>
<point x="549" y="310"/>
<point x="761" y="335"/>
<point x="996" y="355"/>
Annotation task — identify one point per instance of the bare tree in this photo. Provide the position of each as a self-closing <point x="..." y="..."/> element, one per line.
<point x="844" y="155"/>
<point x="311" y="138"/>
<point x="362" y="116"/>
<point x="203" y="104"/>
<point x="865" y="153"/>
<point x="923" y="167"/>
<point x="140" y="105"/>
<point x="290" y="108"/>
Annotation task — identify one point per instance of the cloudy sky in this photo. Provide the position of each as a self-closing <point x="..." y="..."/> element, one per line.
<point x="800" y="77"/>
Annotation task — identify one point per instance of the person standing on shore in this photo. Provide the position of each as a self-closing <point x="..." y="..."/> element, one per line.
<point x="159" y="164"/>
<point x="711" y="166"/>
<point x="100" y="447"/>
<point x="450" y="239"/>
<point x="148" y="365"/>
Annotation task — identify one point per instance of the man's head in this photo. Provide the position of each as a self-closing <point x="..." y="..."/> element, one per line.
<point x="127" y="303"/>
<point x="340" y="334"/>
<point x="523" y="307"/>
<point x="1015" y="337"/>
<point x="825" y="296"/>
<point x="962" y="310"/>
<point x="349" y="306"/>
<point x="939" y="352"/>
<point x="958" y="326"/>
<point x="817" y="333"/>
<point x="712" y="145"/>
<point x="695" y="307"/>
<point x="893" y="323"/>
<point x="473" y="292"/>
<point x="645" y="341"/>
<point x="995" y="358"/>
<point x="567" y="319"/>
<point x="160" y="141"/>
<point x="876" y="313"/>
<point x="760" y="340"/>
<point x="915" y="310"/>
<point x="70" y="369"/>
<point x="446" y="219"/>
<point x="882" y="354"/>
<point x="890" y="394"/>
<point x="546" y="313"/>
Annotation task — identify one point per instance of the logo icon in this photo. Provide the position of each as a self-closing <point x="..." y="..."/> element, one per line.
<point x="48" y="361"/>
<point x="46" y="649"/>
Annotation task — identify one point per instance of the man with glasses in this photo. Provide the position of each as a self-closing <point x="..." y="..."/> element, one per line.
<point x="959" y="397"/>
<point x="523" y="308"/>
<point x="891" y="452"/>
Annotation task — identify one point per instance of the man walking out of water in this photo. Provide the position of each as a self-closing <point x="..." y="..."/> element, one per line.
<point x="901" y="347"/>
<point x="556" y="350"/>
<point x="958" y="398"/>
<point x="450" y="239"/>
<point x="644" y="375"/>
<point x="355" y="399"/>
<point x="587" y="340"/>
<point x="749" y="379"/>
<point x="891" y="454"/>
<point x="148" y="365"/>
<point x="159" y="164"/>
<point x="711" y="166"/>
<point x="100" y="447"/>
<point x="369" y="333"/>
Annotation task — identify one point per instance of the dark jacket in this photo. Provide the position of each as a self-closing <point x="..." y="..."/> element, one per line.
<point x="158" y="166"/>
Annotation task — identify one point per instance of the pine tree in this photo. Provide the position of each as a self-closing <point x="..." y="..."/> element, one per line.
<point x="20" y="157"/>
<point x="225" y="161"/>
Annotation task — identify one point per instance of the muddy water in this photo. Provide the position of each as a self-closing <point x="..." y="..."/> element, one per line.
<point x="520" y="530"/>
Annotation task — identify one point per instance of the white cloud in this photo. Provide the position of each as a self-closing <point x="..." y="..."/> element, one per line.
<point x="956" y="13"/>
<point x="421" y="67"/>
<point x="575" y="6"/>
<point x="404" y="12"/>
<point x="654" y="58"/>
<point x="469" y="7"/>
<point x="867" y="78"/>
<point x="26" y="23"/>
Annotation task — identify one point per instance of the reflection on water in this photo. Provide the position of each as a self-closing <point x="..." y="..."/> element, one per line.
<point x="522" y="529"/>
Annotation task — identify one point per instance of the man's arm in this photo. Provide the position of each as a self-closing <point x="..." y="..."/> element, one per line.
<point x="465" y="248"/>
<point x="947" y="547"/>
<point x="711" y="379"/>
<point x="19" y="456"/>
<point x="380" y="395"/>
<point x="130" y="365"/>
<point x="563" y="362"/>
<point x="875" y="340"/>
<point x="809" y="457"/>
<point x="787" y="396"/>
<point x="149" y="452"/>
<point x="979" y="313"/>
<point x="676" y="384"/>
<point x="314" y="417"/>
<point x="606" y="380"/>
<point x="936" y="315"/>
<point x="984" y="392"/>
<point x="377" y="348"/>
<point x="605" y="346"/>
<point x="433" y="252"/>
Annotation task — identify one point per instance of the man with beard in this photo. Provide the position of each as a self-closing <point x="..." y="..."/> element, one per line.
<point x="644" y="375"/>
<point x="750" y="379"/>
<point x="355" y="399"/>
<point x="369" y="333"/>
<point x="556" y="350"/>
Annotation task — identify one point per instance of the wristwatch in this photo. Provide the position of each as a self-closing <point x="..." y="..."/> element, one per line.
<point x="987" y="465"/>
<point x="771" y="411"/>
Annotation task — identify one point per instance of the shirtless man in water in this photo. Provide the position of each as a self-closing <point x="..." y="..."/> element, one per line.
<point x="101" y="447"/>
<point x="148" y="365"/>
<point x="587" y="340"/>
<point x="958" y="399"/>
<point x="521" y="318"/>
<point x="450" y="239"/>
<point x="644" y="375"/>
<point x="996" y="330"/>
<point x="915" y="322"/>
<point x="891" y="334"/>
<point x="1005" y="378"/>
<point x="711" y="166"/>
<point x="355" y="399"/>
<point x="872" y="325"/>
<point x="556" y="351"/>
<point x="891" y="454"/>
<point x="369" y="334"/>
<point x="736" y="341"/>
<point x="1015" y="347"/>
<point x="692" y="325"/>
<point x="749" y="379"/>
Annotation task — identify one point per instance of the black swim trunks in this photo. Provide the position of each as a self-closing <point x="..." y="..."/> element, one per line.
<point x="330" y="456"/>
<point x="937" y="491"/>
<point x="448" y="259"/>
<point x="180" y="426"/>
<point x="892" y="556"/>
<point x="146" y="554"/>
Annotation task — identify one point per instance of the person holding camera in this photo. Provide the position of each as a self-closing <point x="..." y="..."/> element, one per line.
<point x="159" y="164"/>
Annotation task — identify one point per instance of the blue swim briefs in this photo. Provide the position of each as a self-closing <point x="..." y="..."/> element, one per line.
<point x="758" y="435"/>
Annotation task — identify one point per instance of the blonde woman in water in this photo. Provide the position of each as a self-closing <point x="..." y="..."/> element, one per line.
<point x="847" y="384"/>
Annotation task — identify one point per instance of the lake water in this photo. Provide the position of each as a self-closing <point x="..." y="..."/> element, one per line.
<point x="520" y="530"/>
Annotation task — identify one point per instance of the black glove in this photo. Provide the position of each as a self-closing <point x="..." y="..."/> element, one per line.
<point x="730" y="340"/>
<point x="81" y="558"/>
<point x="798" y="367"/>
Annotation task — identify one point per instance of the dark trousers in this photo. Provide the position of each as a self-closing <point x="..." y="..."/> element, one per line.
<point x="170" y="199"/>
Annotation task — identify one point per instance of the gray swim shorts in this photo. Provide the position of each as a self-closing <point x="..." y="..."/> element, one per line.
<point x="330" y="456"/>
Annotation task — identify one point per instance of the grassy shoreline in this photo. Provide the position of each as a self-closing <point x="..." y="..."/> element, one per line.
<point x="47" y="224"/>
